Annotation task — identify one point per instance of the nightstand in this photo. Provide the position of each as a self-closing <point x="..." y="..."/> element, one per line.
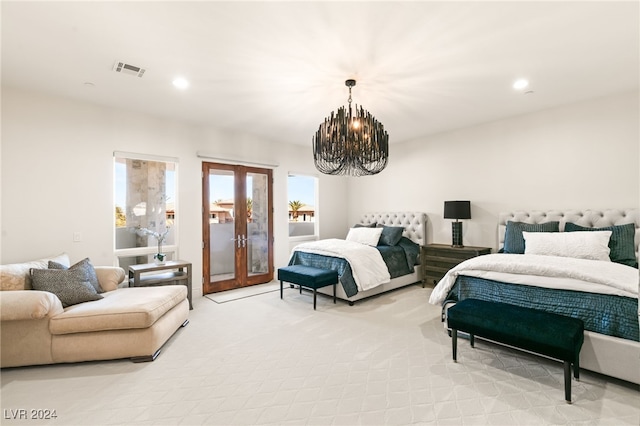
<point x="437" y="259"/>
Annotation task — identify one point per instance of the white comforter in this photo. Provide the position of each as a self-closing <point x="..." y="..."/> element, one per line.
<point x="367" y="266"/>
<point x="544" y="271"/>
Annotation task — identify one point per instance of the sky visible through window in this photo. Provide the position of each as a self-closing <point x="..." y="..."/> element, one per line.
<point x="300" y="188"/>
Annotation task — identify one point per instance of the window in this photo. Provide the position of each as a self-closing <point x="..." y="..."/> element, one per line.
<point x="302" y="195"/>
<point x="145" y="208"/>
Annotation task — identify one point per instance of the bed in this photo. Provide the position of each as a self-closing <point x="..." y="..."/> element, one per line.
<point x="604" y="294"/>
<point x="413" y="236"/>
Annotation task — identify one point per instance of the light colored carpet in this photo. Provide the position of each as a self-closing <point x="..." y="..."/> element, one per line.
<point x="242" y="293"/>
<point x="262" y="360"/>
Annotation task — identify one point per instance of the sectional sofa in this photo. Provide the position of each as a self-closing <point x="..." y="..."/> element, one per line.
<point x="122" y="322"/>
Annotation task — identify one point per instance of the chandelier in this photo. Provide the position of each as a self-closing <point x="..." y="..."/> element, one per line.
<point x="350" y="142"/>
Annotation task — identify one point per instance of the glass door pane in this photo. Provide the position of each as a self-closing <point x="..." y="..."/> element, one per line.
<point x="222" y="235"/>
<point x="257" y="185"/>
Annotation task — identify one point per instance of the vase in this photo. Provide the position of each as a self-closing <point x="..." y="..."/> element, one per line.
<point x="159" y="258"/>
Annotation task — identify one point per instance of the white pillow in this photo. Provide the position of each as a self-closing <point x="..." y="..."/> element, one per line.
<point x="580" y="245"/>
<point x="368" y="236"/>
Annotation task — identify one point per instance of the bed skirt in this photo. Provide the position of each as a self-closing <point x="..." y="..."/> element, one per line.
<point x="615" y="316"/>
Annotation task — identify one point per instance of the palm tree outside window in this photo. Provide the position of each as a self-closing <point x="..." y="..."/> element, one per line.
<point x="302" y="199"/>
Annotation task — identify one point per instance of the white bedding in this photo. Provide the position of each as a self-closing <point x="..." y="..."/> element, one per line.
<point x="367" y="266"/>
<point x="544" y="271"/>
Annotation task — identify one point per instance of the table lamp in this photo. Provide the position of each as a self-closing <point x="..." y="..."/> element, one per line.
<point x="457" y="210"/>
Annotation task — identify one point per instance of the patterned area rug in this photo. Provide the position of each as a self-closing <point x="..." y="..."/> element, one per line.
<point x="266" y="361"/>
<point x="243" y="293"/>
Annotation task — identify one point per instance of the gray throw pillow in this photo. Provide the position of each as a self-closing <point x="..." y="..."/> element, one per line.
<point x="70" y="285"/>
<point x="513" y="239"/>
<point x="87" y="269"/>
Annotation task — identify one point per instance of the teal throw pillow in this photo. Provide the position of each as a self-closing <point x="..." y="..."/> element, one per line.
<point x="513" y="239"/>
<point x="621" y="242"/>
<point x="390" y="235"/>
<point x="367" y="225"/>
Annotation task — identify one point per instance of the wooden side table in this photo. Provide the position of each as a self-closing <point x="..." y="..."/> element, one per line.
<point x="151" y="274"/>
<point x="437" y="259"/>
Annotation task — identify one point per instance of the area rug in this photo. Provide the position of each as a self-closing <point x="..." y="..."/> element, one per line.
<point x="266" y="361"/>
<point x="244" y="292"/>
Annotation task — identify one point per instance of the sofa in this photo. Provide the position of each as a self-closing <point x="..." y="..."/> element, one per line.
<point x="38" y="327"/>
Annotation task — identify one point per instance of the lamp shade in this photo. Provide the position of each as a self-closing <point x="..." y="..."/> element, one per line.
<point x="457" y="210"/>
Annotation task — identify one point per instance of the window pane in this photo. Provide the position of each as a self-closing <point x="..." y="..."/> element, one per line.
<point x="257" y="197"/>
<point x="222" y="238"/>
<point x="145" y="196"/>
<point x="302" y="201"/>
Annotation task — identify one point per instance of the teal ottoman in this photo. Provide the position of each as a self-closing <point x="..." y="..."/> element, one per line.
<point x="545" y="333"/>
<point x="308" y="277"/>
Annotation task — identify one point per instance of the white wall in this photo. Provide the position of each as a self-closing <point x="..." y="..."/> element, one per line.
<point x="57" y="177"/>
<point x="57" y="173"/>
<point x="584" y="155"/>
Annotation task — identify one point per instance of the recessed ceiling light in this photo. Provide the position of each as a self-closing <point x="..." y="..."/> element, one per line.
<point x="520" y="84"/>
<point x="181" y="83"/>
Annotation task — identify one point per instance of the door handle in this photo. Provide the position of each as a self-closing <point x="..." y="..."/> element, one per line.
<point x="241" y="240"/>
<point x="237" y="240"/>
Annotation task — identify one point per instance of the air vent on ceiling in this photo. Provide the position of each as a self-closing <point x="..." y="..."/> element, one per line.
<point x="125" y="68"/>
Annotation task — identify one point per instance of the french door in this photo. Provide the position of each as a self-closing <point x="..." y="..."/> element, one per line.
<point x="237" y="226"/>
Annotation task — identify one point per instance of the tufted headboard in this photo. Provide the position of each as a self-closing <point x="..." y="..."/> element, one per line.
<point x="586" y="218"/>
<point x="415" y="223"/>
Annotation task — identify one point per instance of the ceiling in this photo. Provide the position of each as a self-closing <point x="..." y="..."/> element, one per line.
<point x="277" y="69"/>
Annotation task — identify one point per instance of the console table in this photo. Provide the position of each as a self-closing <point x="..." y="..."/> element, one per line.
<point x="170" y="272"/>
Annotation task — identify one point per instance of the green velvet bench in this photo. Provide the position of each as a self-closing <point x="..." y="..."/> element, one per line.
<point x="308" y="277"/>
<point x="552" y="335"/>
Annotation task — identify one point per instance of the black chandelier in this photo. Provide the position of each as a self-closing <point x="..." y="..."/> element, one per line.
<point x="351" y="144"/>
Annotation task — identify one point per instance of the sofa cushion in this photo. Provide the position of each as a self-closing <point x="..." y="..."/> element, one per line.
<point x="85" y="267"/>
<point x="70" y="285"/>
<point x="28" y="305"/>
<point x="121" y="309"/>
<point x="16" y="276"/>
<point x="109" y="277"/>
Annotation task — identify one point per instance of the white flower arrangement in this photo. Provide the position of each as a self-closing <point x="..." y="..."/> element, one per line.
<point x="160" y="237"/>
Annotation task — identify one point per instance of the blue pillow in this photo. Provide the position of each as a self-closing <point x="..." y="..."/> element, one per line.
<point x="362" y="225"/>
<point x="411" y="250"/>
<point x="621" y="242"/>
<point x="513" y="239"/>
<point x="390" y="235"/>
